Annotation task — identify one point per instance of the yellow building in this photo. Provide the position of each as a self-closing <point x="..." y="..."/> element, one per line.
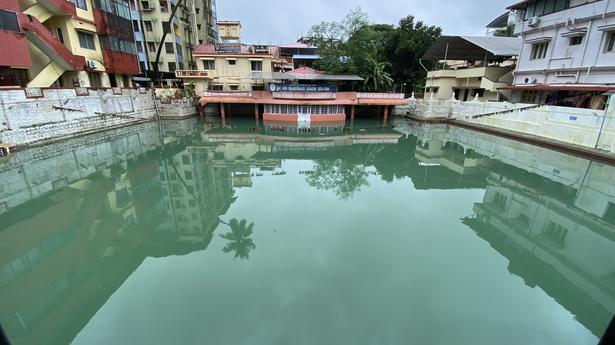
<point x="73" y="44"/>
<point x="466" y="67"/>
<point x="230" y="67"/>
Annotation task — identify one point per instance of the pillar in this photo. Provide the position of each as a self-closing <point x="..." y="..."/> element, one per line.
<point x="352" y="112"/>
<point x="386" y="114"/>
<point x="222" y="111"/>
<point x="256" y="115"/>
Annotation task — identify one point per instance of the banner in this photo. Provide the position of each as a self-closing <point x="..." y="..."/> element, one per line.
<point x="302" y="88"/>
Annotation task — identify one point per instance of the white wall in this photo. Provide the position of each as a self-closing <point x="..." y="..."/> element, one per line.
<point x="573" y="62"/>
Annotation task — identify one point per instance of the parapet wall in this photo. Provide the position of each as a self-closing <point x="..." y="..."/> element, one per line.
<point x="588" y="128"/>
<point x="48" y="114"/>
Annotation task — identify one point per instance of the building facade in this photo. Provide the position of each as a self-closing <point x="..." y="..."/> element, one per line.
<point x="468" y="67"/>
<point x="568" y="52"/>
<point x="59" y="43"/>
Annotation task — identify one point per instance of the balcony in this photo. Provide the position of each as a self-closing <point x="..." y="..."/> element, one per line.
<point x="196" y="74"/>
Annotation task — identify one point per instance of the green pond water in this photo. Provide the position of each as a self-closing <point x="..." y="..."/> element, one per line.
<point x="190" y="233"/>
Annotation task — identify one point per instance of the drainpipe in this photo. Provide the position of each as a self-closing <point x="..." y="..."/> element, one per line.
<point x="606" y="113"/>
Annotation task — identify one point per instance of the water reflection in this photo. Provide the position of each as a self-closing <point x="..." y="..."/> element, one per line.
<point x="79" y="221"/>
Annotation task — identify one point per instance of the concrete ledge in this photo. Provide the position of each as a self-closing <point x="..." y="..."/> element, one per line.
<point x="581" y="151"/>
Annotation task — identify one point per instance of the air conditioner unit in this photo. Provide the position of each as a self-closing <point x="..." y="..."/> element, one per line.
<point x="91" y="64"/>
<point x="530" y="80"/>
<point x="533" y="22"/>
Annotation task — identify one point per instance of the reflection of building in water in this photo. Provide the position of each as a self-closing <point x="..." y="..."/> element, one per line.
<point x="70" y="249"/>
<point x="552" y="215"/>
<point x="195" y="193"/>
<point x="551" y="241"/>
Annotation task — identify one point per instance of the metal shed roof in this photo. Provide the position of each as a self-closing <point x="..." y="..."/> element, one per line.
<point x="473" y="48"/>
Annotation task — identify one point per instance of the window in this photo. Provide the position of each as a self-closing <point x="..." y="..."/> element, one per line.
<point x="148" y="26"/>
<point x="232" y="62"/>
<point x="529" y="96"/>
<point x="555" y="234"/>
<point x="142" y="66"/>
<point x="145" y="5"/>
<point x="168" y="47"/>
<point x="151" y="46"/>
<point x="59" y="35"/>
<point x="135" y="25"/>
<point x="86" y="40"/>
<point x="81" y="4"/>
<point x="164" y="6"/>
<point x="610" y="42"/>
<point x="544" y="7"/>
<point x="95" y="81"/>
<point x="8" y="21"/>
<point x="125" y="80"/>
<point x="139" y="47"/>
<point x="209" y="65"/>
<point x="172" y="66"/>
<point x="575" y="41"/>
<point x="539" y="51"/>
<point x="217" y="87"/>
<point x="256" y="65"/>
<point x="188" y="175"/>
<point x="196" y="10"/>
<point x="234" y="87"/>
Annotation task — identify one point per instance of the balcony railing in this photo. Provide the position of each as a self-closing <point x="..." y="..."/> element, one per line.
<point x="191" y="74"/>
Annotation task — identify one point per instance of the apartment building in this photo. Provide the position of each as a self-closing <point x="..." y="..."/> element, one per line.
<point x="568" y="52"/>
<point x="88" y="43"/>
<point x="192" y="25"/>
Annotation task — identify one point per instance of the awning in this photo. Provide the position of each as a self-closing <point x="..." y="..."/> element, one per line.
<point x="587" y="88"/>
<point x="473" y="48"/>
<point x="499" y="22"/>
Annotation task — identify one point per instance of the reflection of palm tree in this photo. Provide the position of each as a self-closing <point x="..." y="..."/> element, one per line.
<point x="240" y="242"/>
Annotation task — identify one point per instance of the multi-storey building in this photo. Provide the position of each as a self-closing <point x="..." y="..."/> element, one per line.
<point x="568" y="52"/>
<point x="61" y="43"/>
<point x="192" y="25"/>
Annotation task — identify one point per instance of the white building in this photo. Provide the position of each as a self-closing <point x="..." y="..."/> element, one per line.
<point x="568" y="52"/>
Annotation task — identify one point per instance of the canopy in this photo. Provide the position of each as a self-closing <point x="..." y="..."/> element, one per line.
<point x="473" y="48"/>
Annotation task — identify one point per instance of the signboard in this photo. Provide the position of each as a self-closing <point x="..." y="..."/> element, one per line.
<point x="34" y="92"/>
<point x="374" y="95"/>
<point x="302" y="88"/>
<point x="227" y="94"/>
<point x="228" y="47"/>
<point x="304" y="95"/>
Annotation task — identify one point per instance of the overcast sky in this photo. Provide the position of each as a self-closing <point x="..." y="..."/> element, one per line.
<point x="269" y="21"/>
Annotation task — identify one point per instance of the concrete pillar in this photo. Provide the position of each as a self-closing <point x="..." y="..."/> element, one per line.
<point x="352" y="112"/>
<point x="222" y="111"/>
<point x="256" y="111"/>
<point x="386" y="115"/>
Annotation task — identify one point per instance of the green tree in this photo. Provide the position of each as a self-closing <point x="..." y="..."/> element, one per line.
<point x="376" y="77"/>
<point x="343" y="177"/>
<point x="508" y="31"/>
<point x="355" y="46"/>
<point x="404" y="48"/>
<point x="239" y="239"/>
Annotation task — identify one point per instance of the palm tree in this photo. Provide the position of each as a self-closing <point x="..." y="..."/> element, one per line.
<point x="508" y="31"/>
<point x="240" y="242"/>
<point x="377" y="78"/>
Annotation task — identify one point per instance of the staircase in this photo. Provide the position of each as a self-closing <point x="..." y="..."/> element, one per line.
<point x="62" y="58"/>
